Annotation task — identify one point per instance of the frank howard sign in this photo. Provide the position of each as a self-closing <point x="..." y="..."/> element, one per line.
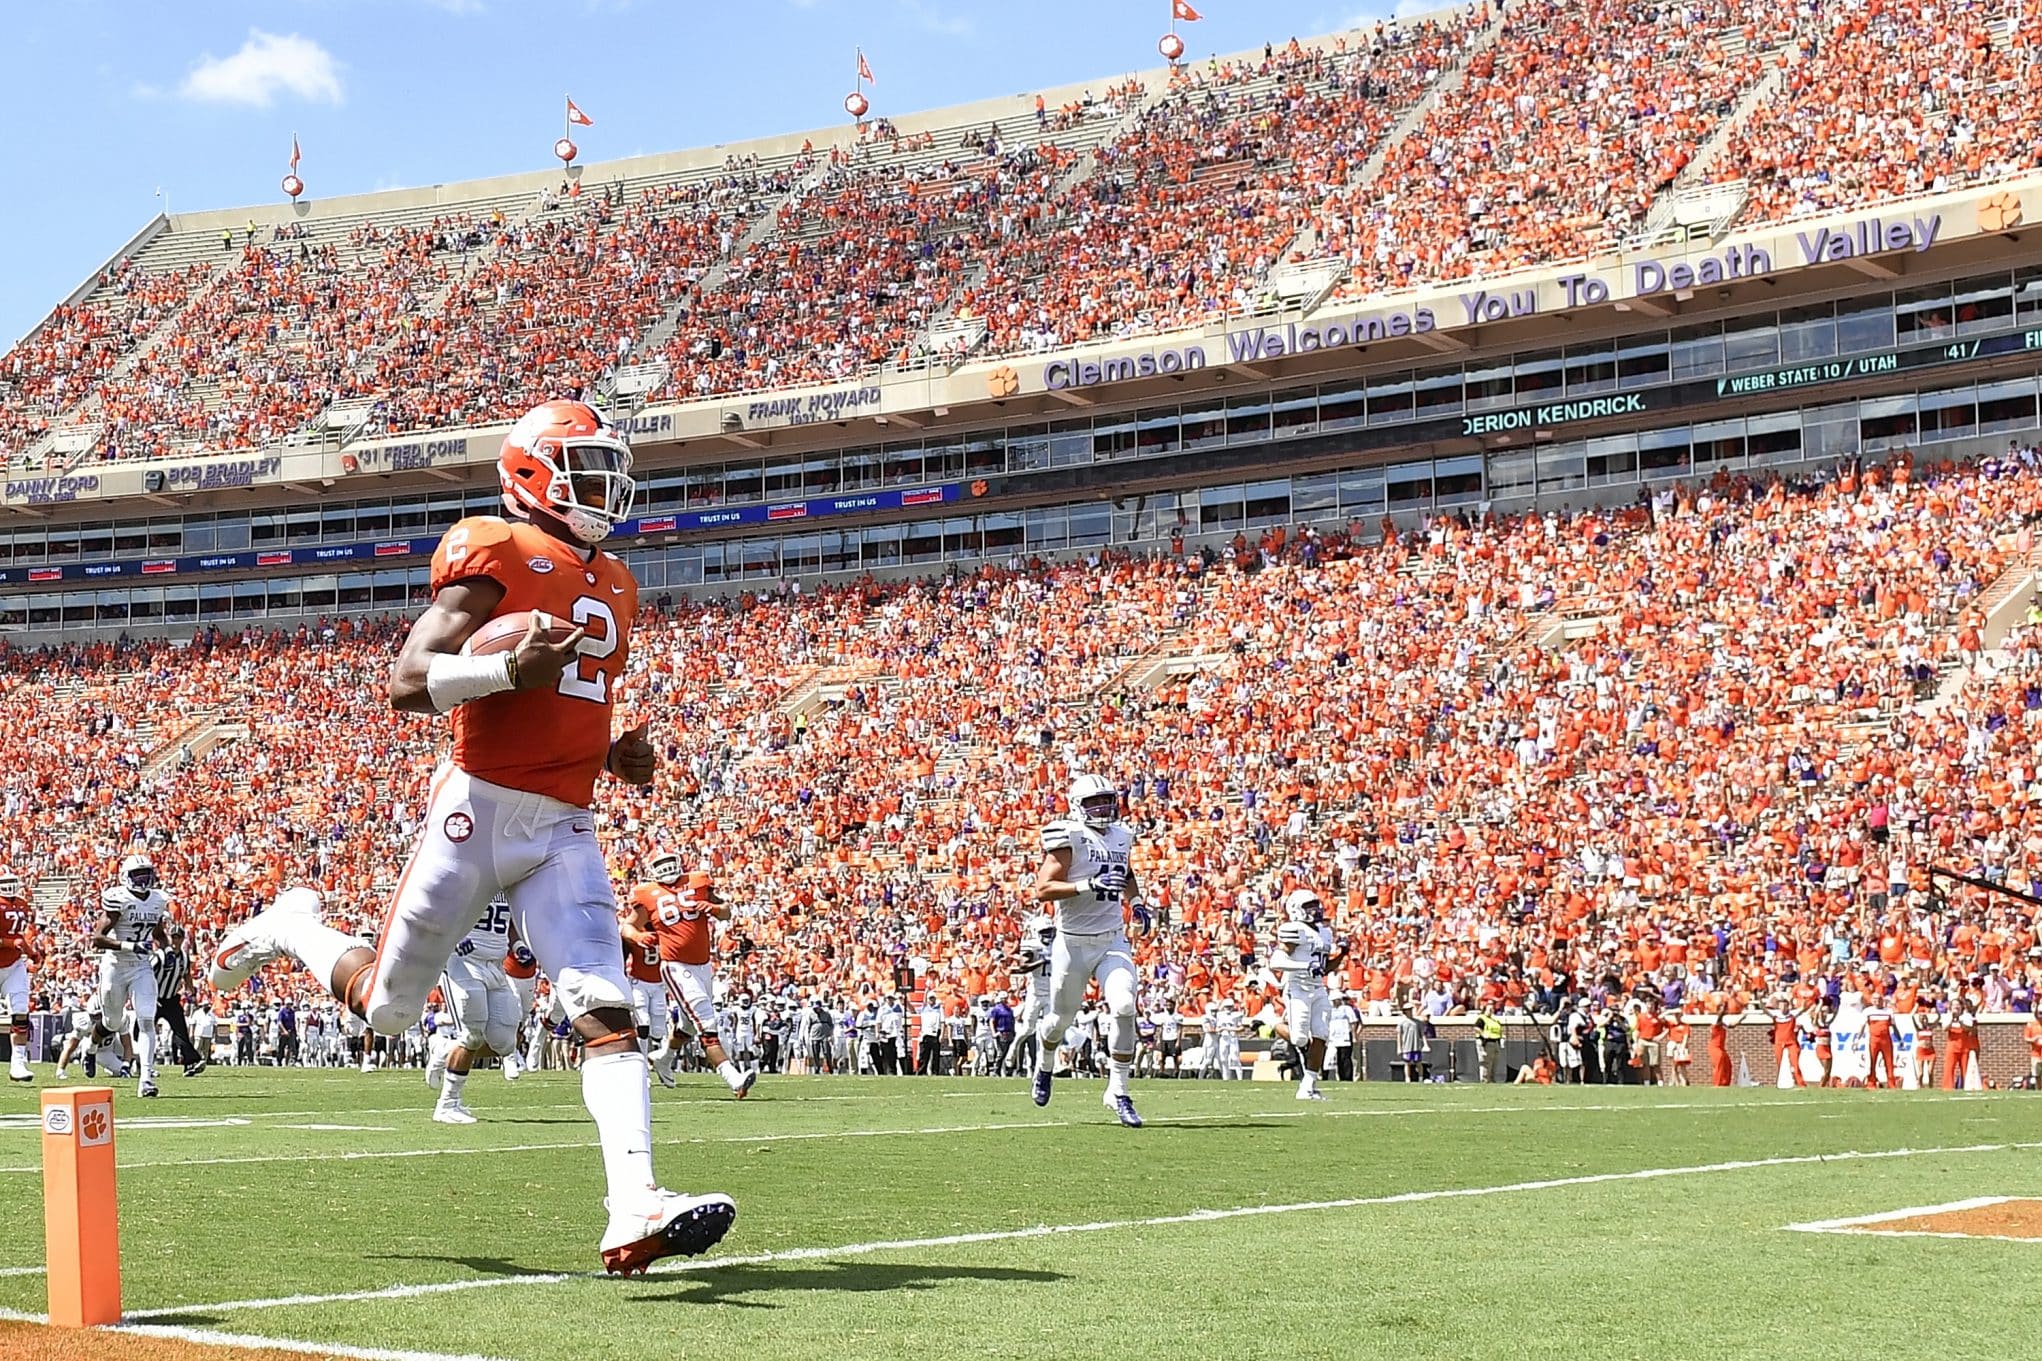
<point x="812" y="408"/>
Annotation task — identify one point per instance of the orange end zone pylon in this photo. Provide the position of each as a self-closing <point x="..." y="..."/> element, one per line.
<point x="81" y="1226"/>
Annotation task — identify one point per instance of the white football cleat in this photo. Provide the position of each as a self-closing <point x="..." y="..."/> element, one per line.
<point x="18" y="1070"/>
<point x="254" y="943"/>
<point x="512" y="1069"/>
<point x="663" y="1069"/>
<point x="453" y="1115"/>
<point x="664" y="1224"/>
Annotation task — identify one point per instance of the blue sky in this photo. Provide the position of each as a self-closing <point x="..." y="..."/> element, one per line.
<point x="201" y="98"/>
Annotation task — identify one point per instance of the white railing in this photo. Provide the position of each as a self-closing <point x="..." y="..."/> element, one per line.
<point x="635" y="380"/>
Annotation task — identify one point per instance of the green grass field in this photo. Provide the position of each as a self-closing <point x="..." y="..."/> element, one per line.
<point x="1442" y="1241"/>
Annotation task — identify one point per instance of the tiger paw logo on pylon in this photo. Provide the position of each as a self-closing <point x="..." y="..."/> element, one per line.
<point x="1998" y="212"/>
<point x="1003" y="382"/>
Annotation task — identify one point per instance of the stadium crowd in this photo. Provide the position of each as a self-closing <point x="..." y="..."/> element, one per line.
<point x="1719" y="789"/>
<point x="1509" y="135"/>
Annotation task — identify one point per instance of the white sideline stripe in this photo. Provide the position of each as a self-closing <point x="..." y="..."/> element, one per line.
<point x="1929" y="1233"/>
<point x="372" y="1155"/>
<point x="357" y="1155"/>
<point x="401" y="1292"/>
<point x="206" y="1337"/>
<point x="33" y="1121"/>
<point x="1914" y="1211"/>
<point x="344" y="1129"/>
<point x="30" y="1122"/>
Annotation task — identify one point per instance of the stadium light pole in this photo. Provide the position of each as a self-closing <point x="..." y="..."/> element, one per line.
<point x="164" y="194"/>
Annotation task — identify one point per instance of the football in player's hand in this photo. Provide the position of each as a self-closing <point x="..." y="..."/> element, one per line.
<point x="504" y="632"/>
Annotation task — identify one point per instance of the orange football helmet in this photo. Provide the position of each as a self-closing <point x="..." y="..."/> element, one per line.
<point x="565" y="459"/>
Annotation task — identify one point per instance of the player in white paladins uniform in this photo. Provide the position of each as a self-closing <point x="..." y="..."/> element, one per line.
<point x="1085" y="874"/>
<point x="1304" y="947"/>
<point x="1038" y="936"/>
<point x="485" y="1008"/>
<point x="132" y="915"/>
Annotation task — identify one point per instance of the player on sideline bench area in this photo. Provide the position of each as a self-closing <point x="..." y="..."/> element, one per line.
<point x="509" y="811"/>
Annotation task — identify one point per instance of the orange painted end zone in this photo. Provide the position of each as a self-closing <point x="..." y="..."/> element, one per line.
<point x="2008" y="1219"/>
<point x="35" y="1342"/>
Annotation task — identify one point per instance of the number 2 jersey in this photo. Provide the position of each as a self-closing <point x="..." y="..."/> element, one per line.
<point x="552" y="741"/>
<point x="1089" y="914"/>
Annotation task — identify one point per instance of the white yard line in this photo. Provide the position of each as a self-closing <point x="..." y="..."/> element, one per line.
<point x="1865" y="1224"/>
<point x="397" y="1292"/>
<point x="22" y="1270"/>
<point x="1931" y="1233"/>
<point x="206" y="1337"/>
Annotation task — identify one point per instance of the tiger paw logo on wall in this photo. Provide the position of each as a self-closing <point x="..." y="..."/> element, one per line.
<point x="1003" y="382"/>
<point x="979" y="488"/>
<point x="1998" y="212"/>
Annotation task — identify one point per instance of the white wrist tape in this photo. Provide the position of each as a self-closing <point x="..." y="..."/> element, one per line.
<point x="451" y="680"/>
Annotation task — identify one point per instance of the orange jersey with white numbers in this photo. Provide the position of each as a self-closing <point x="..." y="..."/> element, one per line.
<point x="17" y="924"/>
<point x="640" y="961"/>
<point x="551" y="741"/>
<point x="682" y="926"/>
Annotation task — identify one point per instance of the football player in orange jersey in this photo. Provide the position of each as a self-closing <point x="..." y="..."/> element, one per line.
<point x="17" y="948"/>
<point x="509" y="811"/>
<point x="648" y="990"/>
<point x="680" y="915"/>
<point x="523" y="972"/>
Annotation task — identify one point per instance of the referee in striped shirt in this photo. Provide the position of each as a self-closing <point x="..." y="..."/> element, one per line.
<point x="173" y="977"/>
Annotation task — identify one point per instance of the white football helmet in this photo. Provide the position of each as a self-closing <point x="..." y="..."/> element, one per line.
<point x="665" y="867"/>
<point x="1095" y="801"/>
<point x="138" y="875"/>
<point x="1042" y="926"/>
<point x="1302" y="905"/>
<point x="10" y="883"/>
